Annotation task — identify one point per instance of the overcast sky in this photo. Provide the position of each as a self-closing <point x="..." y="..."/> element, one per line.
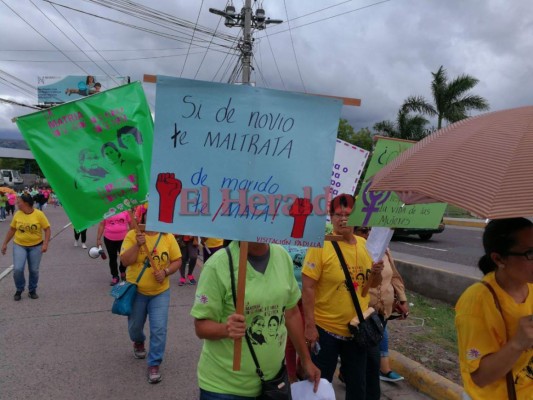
<point x="379" y="53"/>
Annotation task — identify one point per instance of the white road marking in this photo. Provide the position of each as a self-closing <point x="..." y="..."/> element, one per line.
<point x="423" y="247"/>
<point x="7" y="271"/>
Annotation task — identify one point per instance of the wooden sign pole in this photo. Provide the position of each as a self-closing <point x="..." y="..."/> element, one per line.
<point x="241" y="286"/>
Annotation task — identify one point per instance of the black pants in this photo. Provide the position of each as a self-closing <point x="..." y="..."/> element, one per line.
<point x="360" y="368"/>
<point x="113" y="250"/>
<point x="189" y="255"/>
<point x="83" y="235"/>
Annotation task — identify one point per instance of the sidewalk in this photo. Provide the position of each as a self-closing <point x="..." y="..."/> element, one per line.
<point x="68" y="345"/>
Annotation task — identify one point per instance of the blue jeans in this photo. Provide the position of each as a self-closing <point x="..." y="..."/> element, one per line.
<point x="384" y="344"/>
<point x="21" y="254"/>
<point x="360" y="368"/>
<point x="157" y="308"/>
<point x="3" y="212"/>
<point x="205" y="395"/>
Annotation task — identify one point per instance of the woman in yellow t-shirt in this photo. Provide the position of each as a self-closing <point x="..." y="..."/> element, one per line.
<point x="27" y="227"/>
<point x="153" y="292"/>
<point x="494" y="343"/>
<point x="328" y="305"/>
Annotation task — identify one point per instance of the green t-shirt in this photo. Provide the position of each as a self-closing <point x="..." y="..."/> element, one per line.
<point x="3" y="200"/>
<point x="267" y="296"/>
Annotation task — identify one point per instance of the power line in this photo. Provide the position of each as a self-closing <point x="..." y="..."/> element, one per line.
<point x="293" y="49"/>
<point x="192" y="38"/>
<point x="114" y="59"/>
<point x="16" y="103"/>
<point x="72" y="41"/>
<point x="27" y="23"/>
<point x="147" y="30"/>
<point x="205" y="54"/>
<point x="333" y="16"/>
<point x="86" y="41"/>
<point x="274" y="58"/>
<point x="322" y="9"/>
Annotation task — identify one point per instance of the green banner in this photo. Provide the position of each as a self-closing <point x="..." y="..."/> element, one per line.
<point x="385" y="208"/>
<point x="95" y="152"/>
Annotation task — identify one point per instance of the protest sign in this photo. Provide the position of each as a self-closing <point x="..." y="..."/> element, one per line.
<point x="348" y="165"/>
<point x="385" y="208"/>
<point x="95" y="152"/>
<point x="240" y="162"/>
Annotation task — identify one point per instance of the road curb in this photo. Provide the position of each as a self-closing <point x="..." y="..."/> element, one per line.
<point x="465" y="222"/>
<point x="428" y="382"/>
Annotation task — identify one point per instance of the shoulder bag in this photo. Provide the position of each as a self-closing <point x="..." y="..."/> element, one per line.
<point x="124" y="292"/>
<point x="369" y="332"/>
<point x="278" y="388"/>
<point x="511" y="391"/>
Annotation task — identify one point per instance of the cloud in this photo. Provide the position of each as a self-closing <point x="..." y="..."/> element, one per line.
<point x="381" y="54"/>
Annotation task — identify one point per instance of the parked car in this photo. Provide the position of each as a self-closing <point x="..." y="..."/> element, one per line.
<point x="423" y="234"/>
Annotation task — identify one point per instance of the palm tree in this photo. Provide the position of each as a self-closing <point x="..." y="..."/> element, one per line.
<point x="451" y="100"/>
<point x="410" y="127"/>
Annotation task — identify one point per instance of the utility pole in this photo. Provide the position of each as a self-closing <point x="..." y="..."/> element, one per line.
<point x="246" y="20"/>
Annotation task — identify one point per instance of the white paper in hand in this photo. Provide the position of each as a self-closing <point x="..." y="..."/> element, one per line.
<point x="303" y="390"/>
<point x="378" y="241"/>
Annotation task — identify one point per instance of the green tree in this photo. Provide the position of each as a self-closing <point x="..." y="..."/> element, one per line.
<point x="361" y="138"/>
<point x="451" y="100"/>
<point x="406" y="126"/>
<point x="345" y="131"/>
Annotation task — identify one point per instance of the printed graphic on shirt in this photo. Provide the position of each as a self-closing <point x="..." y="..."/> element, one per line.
<point x="264" y="326"/>
<point x="161" y="261"/>
<point x="358" y="277"/>
<point x="526" y="373"/>
<point x="202" y="298"/>
<point x="23" y="228"/>
<point x="473" y="354"/>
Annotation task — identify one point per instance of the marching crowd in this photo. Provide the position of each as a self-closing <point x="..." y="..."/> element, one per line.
<point x="306" y="309"/>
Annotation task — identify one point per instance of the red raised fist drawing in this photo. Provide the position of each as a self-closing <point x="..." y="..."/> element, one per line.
<point x="169" y="189"/>
<point x="300" y="210"/>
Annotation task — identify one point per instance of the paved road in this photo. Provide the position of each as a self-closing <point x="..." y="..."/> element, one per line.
<point x="68" y="345"/>
<point x="459" y="245"/>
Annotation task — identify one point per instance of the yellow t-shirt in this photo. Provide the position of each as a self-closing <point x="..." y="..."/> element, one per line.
<point x="334" y="307"/>
<point x="29" y="227"/>
<point x="166" y="252"/>
<point x="481" y="331"/>
<point x="213" y="242"/>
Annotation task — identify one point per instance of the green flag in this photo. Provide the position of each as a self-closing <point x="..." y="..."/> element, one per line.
<point x="95" y="152"/>
<point x="385" y="208"/>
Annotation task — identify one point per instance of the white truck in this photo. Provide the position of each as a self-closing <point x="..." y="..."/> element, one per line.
<point x="10" y="177"/>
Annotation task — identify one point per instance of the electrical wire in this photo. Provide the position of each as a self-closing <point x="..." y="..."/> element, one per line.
<point x="192" y="38"/>
<point x="274" y="58"/>
<point x="317" y="11"/>
<point x="293" y="48"/>
<point x="72" y="41"/>
<point x="16" y="103"/>
<point x="44" y="37"/>
<point x="333" y="16"/>
<point x="227" y="54"/>
<point x="223" y="48"/>
<point x="208" y="46"/>
<point x="89" y="43"/>
<point x="114" y="59"/>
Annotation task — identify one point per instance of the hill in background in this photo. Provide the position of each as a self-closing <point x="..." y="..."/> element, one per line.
<point x="14" y="144"/>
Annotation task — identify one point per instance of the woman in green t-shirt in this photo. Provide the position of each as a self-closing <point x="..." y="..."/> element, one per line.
<point x="271" y="291"/>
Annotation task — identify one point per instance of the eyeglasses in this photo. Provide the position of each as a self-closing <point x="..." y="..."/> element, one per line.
<point x="527" y="254"/>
